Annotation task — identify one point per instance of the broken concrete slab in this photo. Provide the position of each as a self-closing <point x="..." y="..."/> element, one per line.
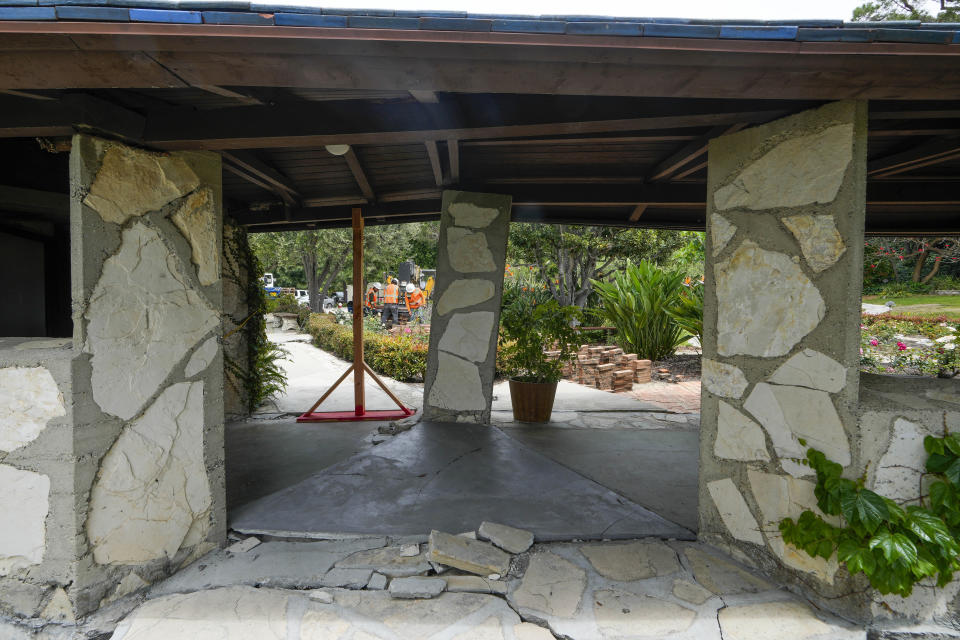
<point x="242" y="546"/>
<point x="346" y="578"/>
<point x="475" y="584"/>
<point x="469" y="555"/>
<point x="781" y="620"/>
<point x="417" y="587"/>
<point x="296" y="565"/>
<point x="621" y="614"/>
<point x="508" y="538"/>
<point x="388" y="561"/>
<point x="721" y="575"/>
<point x="633" y="560"/>
<point x="551" y="585"/>
<point x="377" y="582"/>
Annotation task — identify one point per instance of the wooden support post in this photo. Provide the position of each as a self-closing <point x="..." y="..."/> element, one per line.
<point x="358" y="396"/>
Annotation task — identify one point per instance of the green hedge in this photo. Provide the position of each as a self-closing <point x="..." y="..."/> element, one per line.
<point x="398" y="357"/>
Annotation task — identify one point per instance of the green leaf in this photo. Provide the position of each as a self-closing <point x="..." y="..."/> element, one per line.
<point x="938" y="462"/>
<point x="953" y="443"/>
<point x="933" y="445"/>
<point x="953" y="472"/>
<point x="939" y="492"/>
<point x="866" y="506"/>
<point x="929" y="527"/>
<point x="862" y="560"/>
<point x="824" y="549"/>
<point x="896" y="547"/>
<point x="897" y="514"/>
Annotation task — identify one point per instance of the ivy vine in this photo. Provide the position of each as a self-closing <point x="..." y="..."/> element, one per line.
<point x="894" y="546"/>
<point x="260" y="375"/>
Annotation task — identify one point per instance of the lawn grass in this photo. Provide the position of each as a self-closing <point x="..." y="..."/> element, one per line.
<point x="920" y="305"/>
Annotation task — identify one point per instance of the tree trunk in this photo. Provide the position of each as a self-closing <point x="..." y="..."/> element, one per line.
<point x="936" y="267"/>
<point x="918" y="267"/>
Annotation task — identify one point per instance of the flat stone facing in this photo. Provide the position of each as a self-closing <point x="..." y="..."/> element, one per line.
<point x="196" y="219"/>
<point x="782" y="497"/>
<point x="819" y="240"/>
<point x="723" y="379"/>
<point x="466" y="214"/>
<point x="530" y="631"/>
<point x="24" y="503"/>
<point x="152" y="496"/>
<point x="377" y="582"/>
<point x="632" y="561"/>
<point x="417" y="587"/>
<point x="721" y="231"/>
<point x="469" y="555"/>
<point x="388" y="561"/>
<point x="791" y="413"/>
<point x="813" y="370"/>
<point x="468" y="335"/>
<point x="691" y="592"/>
<point x="721" y="575"/>
<point x="810" y="169"/>
<point x="457" y="386"/>
<point x="142" y="319"/>
<point x="551" y="585"/>
<point x="29" y="398"/>
<point x="784" y="305"/>
<point x="734" y="511"/>
<point x="202" y="357"/>
<point x="899" y="471"/>
<point x="131" y="182"/>
<point x="738" y="437"/>
<point x="621" y="614"/>
<point x="465" y="293"/>
<point x="475" y="584"/>
<point x="779" y="620"/>
<point x="508" y="538"/>
<point x="468" y="251"/>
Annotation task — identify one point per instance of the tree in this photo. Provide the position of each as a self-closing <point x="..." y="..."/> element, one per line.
<point x="915" y="253"/>
<point x="323" y="255"/>
<point x="569" y="257"/>
<point x="926" y="10"/>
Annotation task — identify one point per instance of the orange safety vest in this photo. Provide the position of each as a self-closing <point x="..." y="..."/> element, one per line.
<point x="415" y="299"/>
<point x="372" y="298"/>
<point x="390" y="294"/>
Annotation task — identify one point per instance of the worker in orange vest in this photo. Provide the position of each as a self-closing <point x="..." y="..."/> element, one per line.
<point x="391" y="296"/>
<point x="372" y="299"/>
<point x="415" y="303"/>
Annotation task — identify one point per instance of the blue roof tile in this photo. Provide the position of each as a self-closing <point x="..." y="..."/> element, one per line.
<point x="430" y="14"/>
<point x="503" y="16"/>
<point x="758" y="32"/>
<point x="378" y="22"/>
<point x="308" y="20"/>
<point x="260" y="7"/>
<point x="236" y="17"/>
<point x="381" y="13"/>
<point x="836" y="35"/>
<point x="605" y="28"/>
<point x="100" y="14"/>
<point x="85" y="3"/>
<point x="455" y="24"/>
<point x="805" y="23"/>
<point x="144" y="4"/>
<point x="164" y="15"/>
<point x="18" y="3"/>
<point x="956" y="38"/>
<point x="215" y="5"/>
<point x="883" y="25"/>
<point x="529" y="26"/>
<point x="27" y="13"/>
<point x="914" y="35"/>
<point x="681" y="30"/>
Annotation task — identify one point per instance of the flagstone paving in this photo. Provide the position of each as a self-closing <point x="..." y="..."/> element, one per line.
<point x="617" y="590"/>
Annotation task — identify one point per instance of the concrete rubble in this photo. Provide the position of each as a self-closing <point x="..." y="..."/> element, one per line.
<point x="469" y="555"/>
<point x="508" y="538"/>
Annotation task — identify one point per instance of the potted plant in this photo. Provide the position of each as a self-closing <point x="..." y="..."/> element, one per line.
<point x="529" y="327"/>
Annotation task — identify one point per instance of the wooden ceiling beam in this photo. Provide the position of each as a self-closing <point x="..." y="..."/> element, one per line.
<point x="27" y="117"/>
<point x="637" y="212"/>
<point x="690" y="152"/>
<point x="453" y="153"/>
<point x="434" y="154"/>
<point x="264" y="174"/>
<point x="359" y="175"/>
<point x="932" y="152"/>
<point x="229" y="93"/>
<point x="360" y="122"/>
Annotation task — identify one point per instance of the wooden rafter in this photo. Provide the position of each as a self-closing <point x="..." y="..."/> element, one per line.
<point x="259" y="172"/>
<point x="359" y="175"/>
<point x="242" y="98"/>
<point x="453" y="151"/>
<point x="934" y="152"/>
<point x="690" y="152"/>
<point x="434" y="154"/>
<point x="637" y="212"/>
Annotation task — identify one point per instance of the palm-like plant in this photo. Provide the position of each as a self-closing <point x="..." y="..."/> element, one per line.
<point x="637" y="301"/>
<point x="688" y="312"/>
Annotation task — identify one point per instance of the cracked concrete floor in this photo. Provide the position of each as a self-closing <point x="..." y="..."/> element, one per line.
<point x="582" y="591"/>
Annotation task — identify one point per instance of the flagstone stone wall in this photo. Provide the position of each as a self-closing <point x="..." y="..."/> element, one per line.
<point x="458" y="386"/>
<point x="786" y="206"/>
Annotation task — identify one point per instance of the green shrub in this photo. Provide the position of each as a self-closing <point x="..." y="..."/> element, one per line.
<point x="636" y="303"/>
<point x="688" y="312"/>
<point x="528" y="326"/>
<point x="398" y="357"/>
<point x="283" y="304"/>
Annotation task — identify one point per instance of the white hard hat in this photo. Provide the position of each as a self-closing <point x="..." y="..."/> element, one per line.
<point x="410" y="288"/>
<point x="376" y="285"/>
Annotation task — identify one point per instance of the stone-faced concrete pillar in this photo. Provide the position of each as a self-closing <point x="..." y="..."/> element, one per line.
<point x="148" y="366"/>
<point x="781" y="329"/>
<point x="466" y="307"/>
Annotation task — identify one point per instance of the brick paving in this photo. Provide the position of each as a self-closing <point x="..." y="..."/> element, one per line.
<point x="677" y="397"/>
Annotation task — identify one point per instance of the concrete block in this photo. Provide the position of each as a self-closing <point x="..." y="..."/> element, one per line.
<point x="508" y="538"/>
<point x="468" y="555"/>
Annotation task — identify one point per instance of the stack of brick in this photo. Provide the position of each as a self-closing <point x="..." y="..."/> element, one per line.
<point x="588" y="370"/>
<point x="642" y="372"/>
<point x="605" y="376"/>
<point x="623" y="380"/>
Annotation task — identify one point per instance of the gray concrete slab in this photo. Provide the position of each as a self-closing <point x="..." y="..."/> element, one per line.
<point x="657" y="469"/>
<point x="576" y="397"/>
<point x="450" y="477"/>
<point x="266" y="455"/>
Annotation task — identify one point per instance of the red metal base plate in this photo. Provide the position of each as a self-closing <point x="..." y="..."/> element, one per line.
<point x="351" y="416"/>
